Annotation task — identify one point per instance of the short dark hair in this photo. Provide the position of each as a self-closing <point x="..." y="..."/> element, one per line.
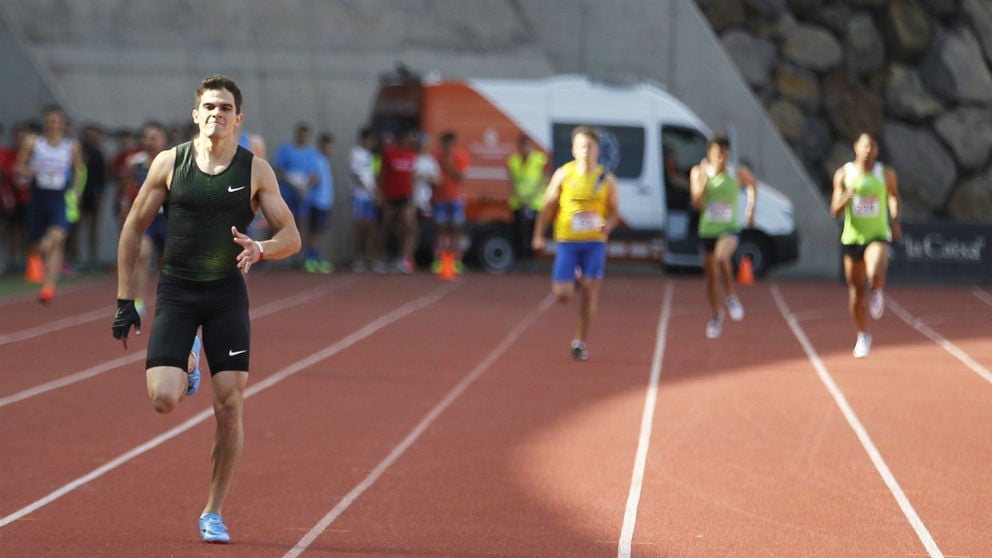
<point x="584" y="130"/>
<point x="720" y="141"/>
<point x="217" y="82"/>
<point x="448" y="137"/>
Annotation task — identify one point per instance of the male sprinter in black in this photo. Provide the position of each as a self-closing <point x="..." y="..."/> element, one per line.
<point x="211" y="189"/>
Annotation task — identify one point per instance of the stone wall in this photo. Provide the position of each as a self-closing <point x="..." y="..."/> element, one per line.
<point x="916" y="73"/>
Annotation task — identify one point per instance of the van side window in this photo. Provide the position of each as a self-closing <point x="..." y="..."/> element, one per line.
<point x="621" y="148"/>
<point x="682" y="148"/>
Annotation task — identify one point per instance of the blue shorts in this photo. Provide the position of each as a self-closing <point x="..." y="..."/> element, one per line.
<point x="587" y="257"/>
<point x="319" y="219"/>
<point x="363" y="210"/>
<point x="449" y="213"/>
<point x="45" y="210"/>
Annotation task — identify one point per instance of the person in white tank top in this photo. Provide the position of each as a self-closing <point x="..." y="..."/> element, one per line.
<point x="52" y="163"/>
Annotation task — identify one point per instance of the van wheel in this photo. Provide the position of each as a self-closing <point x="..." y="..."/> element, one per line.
<point x="496" y="254"/>
<point x="760" y="251"/>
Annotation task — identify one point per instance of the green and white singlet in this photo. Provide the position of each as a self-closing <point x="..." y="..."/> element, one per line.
<point x="719" y="214"/>
<point x="866" y="217"/>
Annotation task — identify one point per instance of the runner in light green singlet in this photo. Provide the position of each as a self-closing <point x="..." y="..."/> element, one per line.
<point x="866" y="193"/>
<point x="714" y="191"/>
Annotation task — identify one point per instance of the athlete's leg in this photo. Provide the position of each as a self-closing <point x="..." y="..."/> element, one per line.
<point x="877" y="263"/>
<point x="408" y="216"/>
<point x="166" y="387"/>
<point x="854" y="272"/>
<point x="229" y="389"/>
<point x="724" y="250"/>
<point x="588" y="302"/>
<point x="711" y="270"/>
<point x="563" y="271"/>
<point x="52" y="251"/>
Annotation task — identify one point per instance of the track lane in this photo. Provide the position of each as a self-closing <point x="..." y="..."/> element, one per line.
<point x="929" y="415"/>
<point x="749" y="455"/>
<point x="110" y="423"/>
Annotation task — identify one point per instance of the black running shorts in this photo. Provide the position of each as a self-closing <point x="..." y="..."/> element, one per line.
<point x="220" y="307"/>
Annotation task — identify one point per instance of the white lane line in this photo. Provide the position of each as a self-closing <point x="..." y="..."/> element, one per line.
<point x="937" y="338"/>
<point x="859" y="430"/>
<point x="98" y="369"/>
<point x="418" y="430"/>
<point x="982" y="295"/>
<point x="51" y="327"/>
<point x="647" y="419"/>
<point x="72" y="378"/>
<point x="331" y="350"/>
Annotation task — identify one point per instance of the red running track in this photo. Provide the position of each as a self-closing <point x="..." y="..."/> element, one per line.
<point x="403" y="416"/>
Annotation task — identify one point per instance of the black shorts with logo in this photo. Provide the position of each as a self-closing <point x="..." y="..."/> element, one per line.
<point x="220" y="307"/>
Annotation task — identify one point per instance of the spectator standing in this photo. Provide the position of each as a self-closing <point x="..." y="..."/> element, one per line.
<point x="398" y="212"/>
<point x="528" y="168"/>
<point x="449" y="203"/>
<point x="320" y="201"/>
<point x="364" y="191"/>
<point x="91" y="202"/>
<point x="297" y="166"/>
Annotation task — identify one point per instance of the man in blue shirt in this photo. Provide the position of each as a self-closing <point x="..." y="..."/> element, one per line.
<point x="319" y="201"/>
<point x="297" y="166"/>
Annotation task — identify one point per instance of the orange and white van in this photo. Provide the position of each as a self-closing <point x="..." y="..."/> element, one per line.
<point x="640" y="125"/>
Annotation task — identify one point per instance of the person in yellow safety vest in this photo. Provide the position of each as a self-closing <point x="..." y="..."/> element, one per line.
<point x="528" y="169"/>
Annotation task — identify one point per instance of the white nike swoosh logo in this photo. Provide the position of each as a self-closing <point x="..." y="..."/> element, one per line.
<point x="236" y="353"/>
<point x="233" y="189"/>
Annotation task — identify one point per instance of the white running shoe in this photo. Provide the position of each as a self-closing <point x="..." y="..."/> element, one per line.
<point x="714" y="326"/>
<point x="876" y="304"/>
<point x="735" y="308"/>
<point x="863" y="346"/>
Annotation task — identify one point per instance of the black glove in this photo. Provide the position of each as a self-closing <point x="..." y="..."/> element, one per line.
<point x="126" y="316"/>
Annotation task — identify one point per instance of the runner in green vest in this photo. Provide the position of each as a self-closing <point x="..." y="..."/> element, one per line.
<point x="528" y="170"/>
<point x="714" y="193"/>
<point x="866" y="193"/>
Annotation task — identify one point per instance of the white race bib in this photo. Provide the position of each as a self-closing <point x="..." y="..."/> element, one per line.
<point x="586" y="221"/>
<point x="720" y="212"/>
<point x="51" y="180"/>
<point x="864" y="206"/>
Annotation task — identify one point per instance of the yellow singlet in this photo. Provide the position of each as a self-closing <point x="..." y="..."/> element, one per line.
<point x="582" y="205"/>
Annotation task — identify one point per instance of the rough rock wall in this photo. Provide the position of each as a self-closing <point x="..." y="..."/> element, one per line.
<point x="917" y="73"/>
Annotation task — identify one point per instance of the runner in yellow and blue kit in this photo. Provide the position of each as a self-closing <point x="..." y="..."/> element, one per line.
<point x="714" y="192"/>
<point x="867" y="194"/>
<point x="582" y="197"/>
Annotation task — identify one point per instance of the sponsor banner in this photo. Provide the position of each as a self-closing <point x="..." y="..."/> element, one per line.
<point x="952" y="254"/>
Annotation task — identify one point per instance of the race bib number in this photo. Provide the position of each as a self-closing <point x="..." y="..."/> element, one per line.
<point x="51" y="180"/>
<point x="864" y="206"/>
<point x="719" y="212"/>
<point x="586" y="221"/>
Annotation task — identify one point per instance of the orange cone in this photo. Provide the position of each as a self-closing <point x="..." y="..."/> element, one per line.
<point x="35" y="270"/>
<point x="447" y="271"/>
<point x="745" y="273"/>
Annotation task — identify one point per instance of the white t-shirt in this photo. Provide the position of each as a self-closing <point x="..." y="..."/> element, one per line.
<point x="362" y="173"/>
<point x="426" y="173"/>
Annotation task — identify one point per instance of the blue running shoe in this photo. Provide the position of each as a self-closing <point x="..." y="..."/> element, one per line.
<point x="212" y="529"/>
<point x="193" y="376"/>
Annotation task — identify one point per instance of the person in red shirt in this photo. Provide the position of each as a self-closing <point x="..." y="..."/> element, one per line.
<point x="396" y="187"/>
<point x="449" y="203"/>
